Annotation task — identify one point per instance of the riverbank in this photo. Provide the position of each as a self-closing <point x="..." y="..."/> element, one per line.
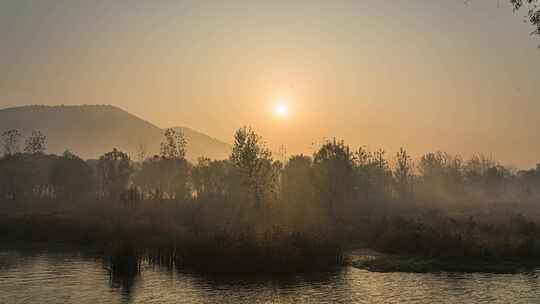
<point x="416" y="264"/>
<point x="125" y="238"/>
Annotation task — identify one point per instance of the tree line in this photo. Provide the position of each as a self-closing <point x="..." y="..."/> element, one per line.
<point x="335" y="184"/>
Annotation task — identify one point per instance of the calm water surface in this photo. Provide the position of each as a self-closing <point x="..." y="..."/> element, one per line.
<point x="52" y="277"/>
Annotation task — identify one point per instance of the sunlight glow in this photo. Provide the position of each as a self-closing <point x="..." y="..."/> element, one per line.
<point x="281" y="109"/>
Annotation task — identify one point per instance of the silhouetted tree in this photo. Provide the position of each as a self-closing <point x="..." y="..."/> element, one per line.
<point x="529" y="183"/>
<point x="35" y="143"/>
<point x="11" y="141"/>
<point x="173" y="165"/>
<point x="25" y="176"/>
<point x="373" y="177"/>
<point x="174" y="145"/>
<point x="14" y="174"/>
<point x="148" y="178"/>
<point x="297" y="189"/>
<point x="175" y="177"/>
<point x="161" y="178"/>
<point x="113" y="171"/>
<point x="254" y="161"/>
<point x="474" y="172"/>
<point x="403" y="174"/>
<point x="533" y="12"/>
<point x="214" y="179"/>
<point x="333" y="166"/>
<point x="71" y="177"/>
<point x="495" y="181"/>
<point x="441" y="176"/>
<point x="141" y="152"/>
<point x="166" y="175"/>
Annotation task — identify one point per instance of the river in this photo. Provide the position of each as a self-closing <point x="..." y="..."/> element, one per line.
<point x="58" y="277"/>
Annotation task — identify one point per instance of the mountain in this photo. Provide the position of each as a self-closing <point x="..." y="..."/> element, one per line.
<point x="91" y="130"/>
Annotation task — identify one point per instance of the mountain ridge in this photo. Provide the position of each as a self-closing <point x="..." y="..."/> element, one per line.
<point x="91" y="130"/>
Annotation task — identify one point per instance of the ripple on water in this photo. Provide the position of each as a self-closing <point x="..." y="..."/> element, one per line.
<point x="64" y="278"/>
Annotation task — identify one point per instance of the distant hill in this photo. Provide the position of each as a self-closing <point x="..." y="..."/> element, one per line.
<point x="91" y="130"/>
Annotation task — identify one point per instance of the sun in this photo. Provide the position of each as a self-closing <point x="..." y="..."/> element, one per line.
<point x="281" y="109"/>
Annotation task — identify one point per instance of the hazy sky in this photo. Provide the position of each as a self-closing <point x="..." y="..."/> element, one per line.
<point x="428" y="75"/>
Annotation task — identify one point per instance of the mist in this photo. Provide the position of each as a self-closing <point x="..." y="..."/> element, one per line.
<point x="269" y="152"/>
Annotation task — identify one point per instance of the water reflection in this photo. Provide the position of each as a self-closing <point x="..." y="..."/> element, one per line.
<point x="59" y="277"/>
<point x="125" y="282"/>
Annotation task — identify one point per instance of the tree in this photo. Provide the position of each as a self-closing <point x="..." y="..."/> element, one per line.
<point x="333" y="166"/>
<point x="403" y="174"/>
<point x="441" y="175"/>
<point x="529" y="182"/>
<point x="296" y="179"/>
<point x="174" y="145"/>
<point x="254" y="161"/>
<point x="475" y="171"/>
<point x="113" y="171"/>
<point x="212" y="179"/>
<point x="494" y="183"/>
<point x="35" y="143"/>
<point x="148" y="178"/>
<point x="25" y="176"/>
<point x="166" y="175"/>
<point x="10" y="141"/>
<point x="14" y="174"/>
<point x="174" y="177"/>
<point x="372" y="174"/>
<point x="141" y="152"/>
<point x="173" y="165"/>
<point x="533" y="12"/>
<point x="71" y="177"/>
<point x="298" y="193"/>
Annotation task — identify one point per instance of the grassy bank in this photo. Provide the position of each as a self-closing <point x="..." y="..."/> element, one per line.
<point x="160" y="233"/>
<point x="434" y="242"/>
<point x="416" y="264"/>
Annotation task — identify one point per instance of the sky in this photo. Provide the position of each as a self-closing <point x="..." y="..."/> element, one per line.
<point x="447" y="75"/>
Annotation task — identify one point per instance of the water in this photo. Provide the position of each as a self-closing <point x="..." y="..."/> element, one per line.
<point x="60" y="277"/>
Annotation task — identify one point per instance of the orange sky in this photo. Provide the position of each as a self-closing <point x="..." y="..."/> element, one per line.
<point x="427" y="75"/>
